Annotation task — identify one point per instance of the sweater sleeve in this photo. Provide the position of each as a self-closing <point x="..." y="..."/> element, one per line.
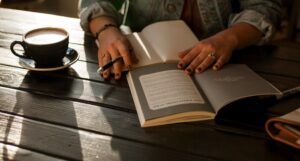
<point x="90" y="9"/>
<point x="262" y="14"/>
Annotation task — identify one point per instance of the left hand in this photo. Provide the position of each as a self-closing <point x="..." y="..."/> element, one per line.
<point x="213" y="51"/>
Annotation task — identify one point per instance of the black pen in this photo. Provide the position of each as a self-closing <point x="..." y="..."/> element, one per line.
<point x="108" y="65"/>
<point x="289" y="93"/>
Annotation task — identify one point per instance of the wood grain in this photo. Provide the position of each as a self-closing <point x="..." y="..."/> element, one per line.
<point x="80" y="145"/>
<point x="67" y="88"/>
<point x="20" y="28"/>
<point x="194" y="138"/>
<point x="87" y="53"/>
<point x="81" y="69"/>
<point x="39" y="18"/>
<point x="11" y="152"/>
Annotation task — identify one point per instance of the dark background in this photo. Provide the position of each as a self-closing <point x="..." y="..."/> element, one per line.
<point x="58" y="7"/>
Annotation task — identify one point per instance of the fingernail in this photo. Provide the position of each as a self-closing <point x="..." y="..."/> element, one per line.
<point x="189" y="71"/>
<point x="117" y="75"/>
<point x="198" y="70"/>
<point x="216" y="67"/>
<point x="105" y="74"/>
<point x="180" y="65"/>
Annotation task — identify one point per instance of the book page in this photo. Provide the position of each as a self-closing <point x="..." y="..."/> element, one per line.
<point x="231" y="83"/>
<point x="167" y="38"/>
<point x="293" y="116"/>
<point x="169" y="88"/>
<point x="142" y="52"/>
<point x="165" y="84"/>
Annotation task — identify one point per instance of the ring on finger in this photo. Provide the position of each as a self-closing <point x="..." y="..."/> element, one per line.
<point x="212" y="54"/>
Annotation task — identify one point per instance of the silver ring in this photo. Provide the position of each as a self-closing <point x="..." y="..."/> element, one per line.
<point x="212" y="55"/>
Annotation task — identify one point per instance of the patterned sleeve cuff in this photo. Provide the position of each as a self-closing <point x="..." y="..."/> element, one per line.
<point x="97" y="9"/>
<point x="257" y="20"/>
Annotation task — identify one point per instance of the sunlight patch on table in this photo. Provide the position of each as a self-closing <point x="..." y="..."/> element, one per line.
<point x="10" y="128"/>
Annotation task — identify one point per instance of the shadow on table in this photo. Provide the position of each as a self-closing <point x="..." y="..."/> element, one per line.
<point x="38" y="130"/>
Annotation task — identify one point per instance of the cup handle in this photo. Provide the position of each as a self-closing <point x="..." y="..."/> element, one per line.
<point x="12" y="45"/>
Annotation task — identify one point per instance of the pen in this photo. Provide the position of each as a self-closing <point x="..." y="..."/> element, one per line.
<point x="289" y="93"/>
<point x="108" y="65"/>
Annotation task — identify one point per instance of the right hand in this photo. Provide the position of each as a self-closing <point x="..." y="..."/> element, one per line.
<point x="112" y="44"/>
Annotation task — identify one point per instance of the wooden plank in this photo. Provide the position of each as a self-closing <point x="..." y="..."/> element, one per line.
<point x="89" y="95"/>
<point x="20" y="28"/>
<point x="263" y="62"/>
<point x="19" y="22"/>
<point x="258" y="62"/>
<point x="86" y="53"/>
<point x="283" y="50"/>
<point x="78" y="144"/>
<point x="258" y="59"/>
<point x="67" y="88"/>
<point x="81" y="69"/>
<point x="87" y="70"/>
<point x="200" y="138"/>
<point x="22" y="20"/>
<point x="11" y="152"/>
<point x="288" y="52"/>
<point x="276" y="67"/>
<point x="83" y="116"/>
<point x="281" y="82"/>
<point x="39" y="18"/>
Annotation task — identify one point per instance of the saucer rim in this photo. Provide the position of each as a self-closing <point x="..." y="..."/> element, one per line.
<point x="22" y="63"/>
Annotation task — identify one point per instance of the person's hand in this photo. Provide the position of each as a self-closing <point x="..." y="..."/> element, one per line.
<point x="213" y="51"/>
<point x="112" y="44"/>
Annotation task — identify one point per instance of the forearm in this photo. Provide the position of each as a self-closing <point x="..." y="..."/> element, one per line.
<point x="241" y="35"/>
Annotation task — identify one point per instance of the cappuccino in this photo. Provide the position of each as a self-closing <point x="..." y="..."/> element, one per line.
<point x="49" y="36"/>
<point x="46" y="46"/>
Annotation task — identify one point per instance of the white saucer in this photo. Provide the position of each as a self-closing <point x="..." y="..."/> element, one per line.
<point x="70" y="58"/>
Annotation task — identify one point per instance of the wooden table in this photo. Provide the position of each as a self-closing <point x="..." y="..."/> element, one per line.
<point x="74" y="114"/>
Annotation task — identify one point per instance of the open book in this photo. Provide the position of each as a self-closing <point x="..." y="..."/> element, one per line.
<point x="163" y="94"/>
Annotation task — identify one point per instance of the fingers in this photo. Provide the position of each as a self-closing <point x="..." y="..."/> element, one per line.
<point x="183" y="53"/>
<point x="117" y="66"/>
<point x="198" y="58"/>
<point x="101" y="55"/>
<point x="209" y="52"/>
<point x="195" y="63"/>
<point x="125" y="52"/>
<point x="207" y="62"/>
<point x="220" y="62"/>
<point x="104" y="60"/>
<point x="114" y="44"/>
<point x="189" y="57"/>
